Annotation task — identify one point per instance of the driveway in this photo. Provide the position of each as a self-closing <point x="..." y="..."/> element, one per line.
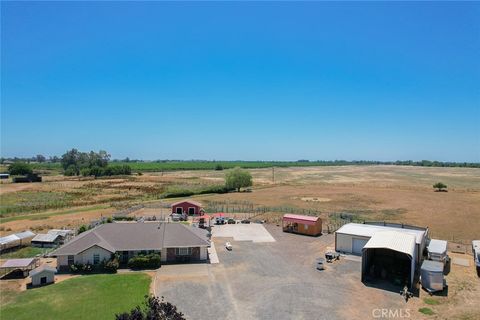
<point x="272" y="280"/>
<point x="243" y="232"/>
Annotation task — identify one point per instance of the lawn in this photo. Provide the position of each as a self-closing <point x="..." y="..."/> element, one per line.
<point x="25" y="252"/>
<point x="85" y="297"/>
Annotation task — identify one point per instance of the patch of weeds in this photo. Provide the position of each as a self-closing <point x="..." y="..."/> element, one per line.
<point x="431" y="301"/>
<point x="426" y="311"/>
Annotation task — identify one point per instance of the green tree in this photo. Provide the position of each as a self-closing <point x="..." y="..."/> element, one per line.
<point x="19" y="168"/>
<point x="82" y="229"/>
<point x="40" y="158"/>
<point x="154" y="308"/>
<point x="439" y="186"/>
<point x="238" y="178"/>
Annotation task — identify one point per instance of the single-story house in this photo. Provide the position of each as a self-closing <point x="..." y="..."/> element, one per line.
<point x="389" y="251"/>
<point x="43" y="275"/>
<point x="16" y="240"/>
<point x="174" y="242"/>
<point x="52" y="238"/>
<point x="189" y="207"/>
<point x="307" y="225"/>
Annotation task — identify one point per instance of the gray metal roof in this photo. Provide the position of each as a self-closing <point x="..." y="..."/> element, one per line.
<point x="130" y="236"/>
<point x="60" y="232"/>
<point x="393" y="240"/>
<point x="368" y="230"/>
<point x="16" y="236"/>
<point x="25" y="234"/>
<point x="18" y="263"/>
<point x="42" y="269"/>
<point x="45" y="237"/>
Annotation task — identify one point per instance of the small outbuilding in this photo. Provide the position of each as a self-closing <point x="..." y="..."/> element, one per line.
<point x="16" y="240"/>
<point x="18" y="267"/>
<point x="390" y="255"/>
<point x="189" y="207"/>
<point x="300" y="224"/>
<point x="43" y="275"/>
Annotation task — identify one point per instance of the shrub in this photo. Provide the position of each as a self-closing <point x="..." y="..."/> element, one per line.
<point x="71" y="171"/>
<point x="85" y="172"/>
<point x="20" y="168"/>
<point x="149" y="261"/>
<point x="439" y="186"/>
<point x="111" y="265"/>
<point x="82" y="228"/>
<point x="218" y="167"/>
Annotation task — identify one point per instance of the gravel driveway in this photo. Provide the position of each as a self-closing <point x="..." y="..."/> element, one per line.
<point x="275" y="280"/>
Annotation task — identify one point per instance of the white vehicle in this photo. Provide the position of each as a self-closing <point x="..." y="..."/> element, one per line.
<point x="476" y="254"/>
<point x="228" y="245"/>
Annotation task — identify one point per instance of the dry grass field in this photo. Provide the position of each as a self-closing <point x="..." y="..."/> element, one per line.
<point x="391" y="193"/>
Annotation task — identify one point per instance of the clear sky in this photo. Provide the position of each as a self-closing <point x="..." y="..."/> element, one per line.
<point x="248" y="81"/>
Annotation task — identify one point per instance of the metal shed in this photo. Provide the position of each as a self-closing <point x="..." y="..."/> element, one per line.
<point x="390" y="255"/>
<point x="43" y="275"/>
<point x="21" y="265"/>
<point x="14" y="240"/>
<point x="352" y="237"/>
<point x="432" y="276"/>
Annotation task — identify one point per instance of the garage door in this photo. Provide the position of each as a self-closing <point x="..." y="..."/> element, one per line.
<point x="357" y="245"/>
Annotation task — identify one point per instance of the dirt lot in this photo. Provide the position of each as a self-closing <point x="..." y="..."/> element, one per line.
<point x="277" y="280"/>
<point x="392" y="193"/>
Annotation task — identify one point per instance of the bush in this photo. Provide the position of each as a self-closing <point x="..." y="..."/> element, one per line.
<point x="111" y="265"/>
<point x="82" y="228"/>
<point x="20" y="168"/>
<point x="149" y="261"/>
<point x="439" y="186"/>
<point x="81" y="268"/>
<point x="71" y="171"/>
<point x="218" y="167"/>
<point x="85" y="172"/>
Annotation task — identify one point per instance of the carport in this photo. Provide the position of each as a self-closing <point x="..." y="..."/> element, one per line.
<point x="389" y="255"/>
<point x="18" y="267"/>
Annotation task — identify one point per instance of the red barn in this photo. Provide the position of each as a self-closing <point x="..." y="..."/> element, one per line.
<point x="189" y="207"/>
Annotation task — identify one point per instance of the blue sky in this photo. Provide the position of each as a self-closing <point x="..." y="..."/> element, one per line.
<point x="249" y="81"/>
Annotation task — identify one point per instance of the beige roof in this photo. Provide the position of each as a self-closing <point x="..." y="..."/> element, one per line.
<point x="42" y="269"/>
<point x="134" y="236"/>
<point x="187" y="201"/>
<point x="393" y="240"/>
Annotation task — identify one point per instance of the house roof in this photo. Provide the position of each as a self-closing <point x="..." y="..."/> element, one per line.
<point x="179" y="235"/>
<point x="437" y="246"/>
<point x="300" y="218"/>
<point x="195" y="203"/>
<point x="18" y="263"/>
<point x="45" y="237"/>
<point x="44" y="268"/>
<point x="393" y="240"/>
<point x="368" y="230"/>
<point x="134" y="236"/>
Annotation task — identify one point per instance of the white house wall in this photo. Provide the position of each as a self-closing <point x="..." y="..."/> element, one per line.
<point x="203" y="253"/>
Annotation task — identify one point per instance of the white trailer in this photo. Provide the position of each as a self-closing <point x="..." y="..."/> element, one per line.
<point x="476" y="254"/>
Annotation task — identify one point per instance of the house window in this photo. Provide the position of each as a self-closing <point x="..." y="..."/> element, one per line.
<point x="96" y="258"/>
<point x="183" y="251"/>
<point x="70" y="260"/>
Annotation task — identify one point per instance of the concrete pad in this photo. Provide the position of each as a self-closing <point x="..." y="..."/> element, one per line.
<point x="461" y="262"/>
<point x="243" y="232"/>
<point x="212" y="254"/>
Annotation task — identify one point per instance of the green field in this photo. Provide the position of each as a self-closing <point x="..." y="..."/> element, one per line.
<point x="84" y="297"/>
<point x="25" y="252"/>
